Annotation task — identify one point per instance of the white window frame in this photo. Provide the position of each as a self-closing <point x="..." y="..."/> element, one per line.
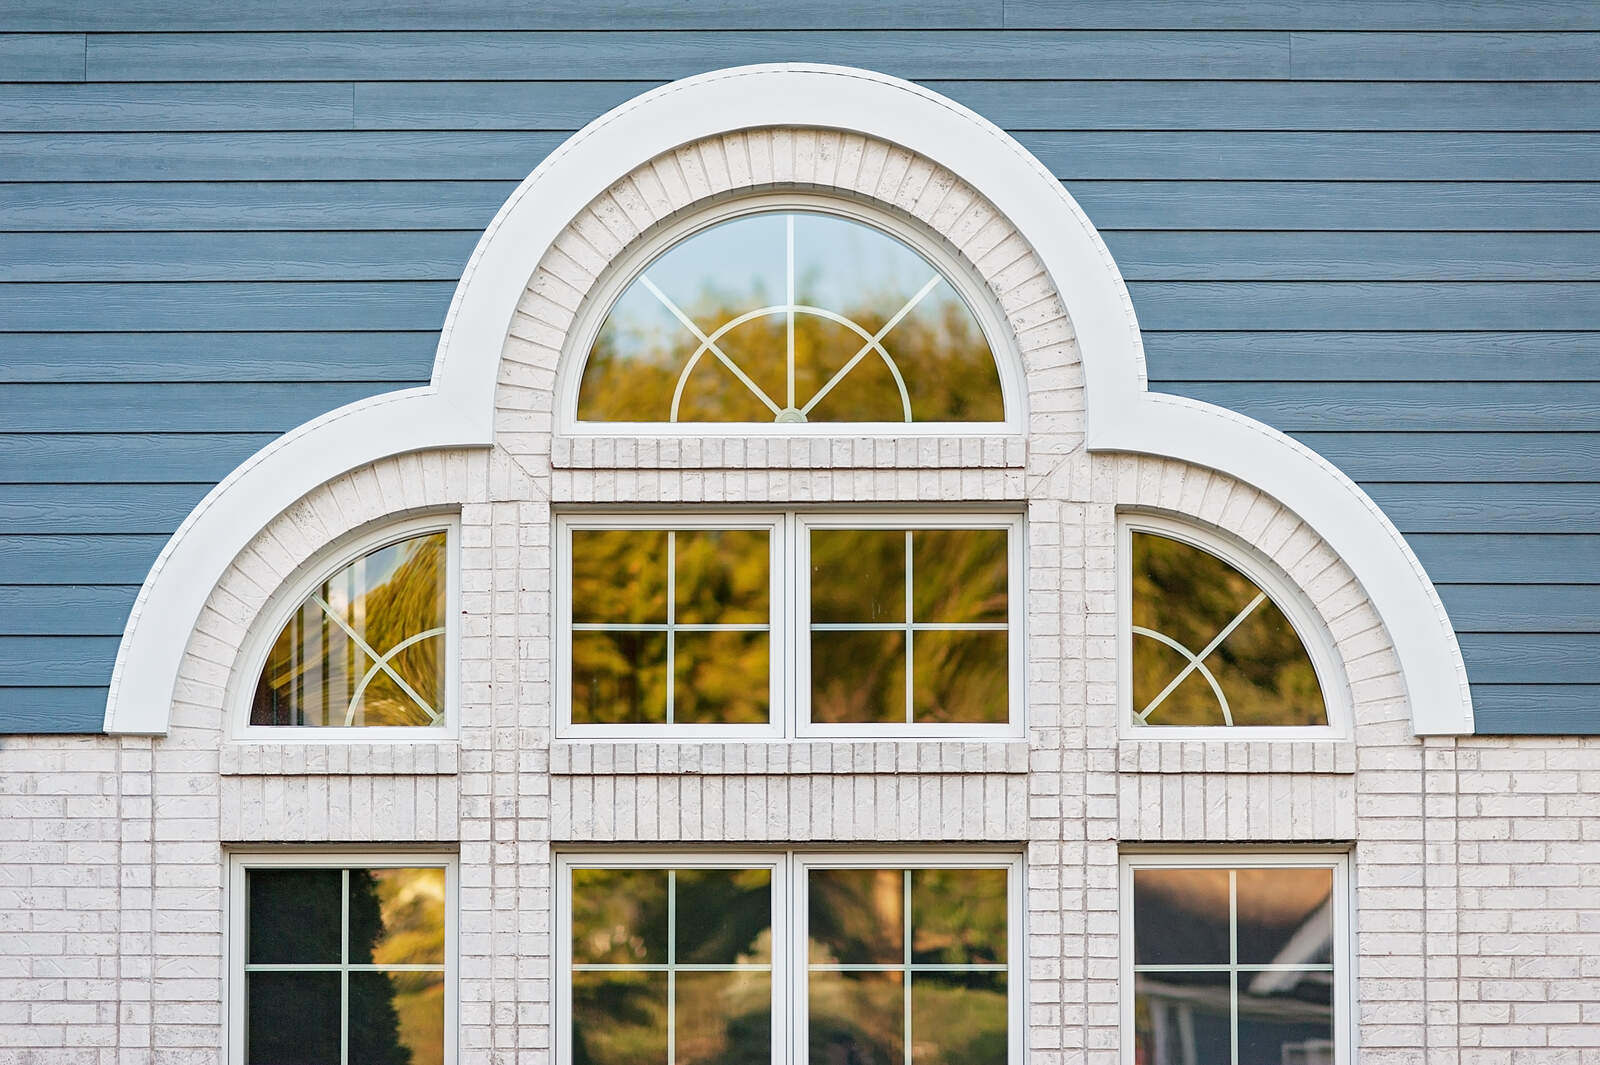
<point x="790" y="626"/>
<point x="1308" y="626"/>
<point x="961" y="276"/>
<point x="236" y="922"/>
<point x="790" y="960"/>
<point x="287" y="599"/>
<point x="1344" y="975"/>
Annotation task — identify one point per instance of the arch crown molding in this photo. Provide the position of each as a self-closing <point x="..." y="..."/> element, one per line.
<point x="457" y="408"/>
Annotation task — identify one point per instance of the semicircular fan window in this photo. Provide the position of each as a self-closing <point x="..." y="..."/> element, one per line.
<point x="1210" y="647"/>
<point x="366" y="647"/>
<point x="789" y="317"/>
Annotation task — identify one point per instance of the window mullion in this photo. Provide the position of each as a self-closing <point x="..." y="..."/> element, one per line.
<point x="344" y="967"/>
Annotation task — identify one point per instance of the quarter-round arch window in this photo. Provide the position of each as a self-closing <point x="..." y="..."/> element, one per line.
<point x="791" y="316"/>
<point x="1209" y="645"/>
<point x="368" y="646"/>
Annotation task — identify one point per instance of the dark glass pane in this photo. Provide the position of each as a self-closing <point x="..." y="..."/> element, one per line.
<point x="724" y="916"/>
<point x="1182" y="1019"/>
<point x="856" y="1018"/>
<point x="958" y="1019"/>
<point x="619" y="916"/>
<point x="1285" y="1017"/>
<point x="723" y="1018"/>
<point x="958" y="576"/>
<point x="396" y="1018"/>
<point x="960" y="677"/>
<point x="1190" y="596"/>
<point x="619" y="576"/>
<point x="858" y="676"/>
<point x="619" y="1018"/>
<point x="619" y="678"/>
<point x="294" y="915"/>
<point x="857" y="916"/>
<point x="1285" y="916"/>
<point x="721" y="677"/>
<point x="724" y="576"/>
<point x="291" y="1019"/>
<point x="858" y="575"/>
<point x="397" y="916"/>
<point x="1180" y="916"/>
<point x="958" y="916"/>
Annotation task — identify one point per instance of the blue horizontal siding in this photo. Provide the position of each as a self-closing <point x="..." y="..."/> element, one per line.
<point x="1373" y="225"/>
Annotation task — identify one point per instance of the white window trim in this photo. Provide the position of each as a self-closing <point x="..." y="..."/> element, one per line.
<point x="790" y="968"/>
<point x="631" y="262"/>
<point x="790" y="628"/>
<point x="236" y="913"/>
<point x="1308" y="626"/>
<point x="1344" y="975"/>
<point x="287" y="599"/>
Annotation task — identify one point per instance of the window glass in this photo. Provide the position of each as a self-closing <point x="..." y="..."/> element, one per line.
<point x="1210" y="647"/>
<point x="797" y="316"/>
<point x="367" y="647"/>
<point x="345" y="966"/>
<point x="1233" y="964"/>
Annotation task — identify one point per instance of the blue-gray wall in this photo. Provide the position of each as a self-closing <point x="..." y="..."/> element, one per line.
<point x="1372" y="224"/>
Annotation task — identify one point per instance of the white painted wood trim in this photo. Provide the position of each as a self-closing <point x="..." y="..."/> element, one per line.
<point x="457" y="408"/>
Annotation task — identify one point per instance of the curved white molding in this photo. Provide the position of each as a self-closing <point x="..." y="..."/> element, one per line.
<point x="457" y="407"/>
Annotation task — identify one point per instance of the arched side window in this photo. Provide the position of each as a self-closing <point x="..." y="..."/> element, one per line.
<point x="1213" y="637"/>
<point x="363" y="641"/>
<point x="793" y="310"/>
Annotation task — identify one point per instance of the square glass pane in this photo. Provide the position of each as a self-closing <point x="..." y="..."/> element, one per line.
<point x="723" y="1018"/>
<point x="619" y="916"/>
<point x="619" y="678"/>
<point x="397" y="916"/>
<point x="619" y="576"/>
<point x="294" y="916"/>
<point x="960" y="677"/>
<point x="857" y="916"/>
<point x="397" y="1018"/>
<point x="958" y="576"/>
<point x="724" y="916"/>
<point x="856" y="1018"/>
<point x="723" y="576"/>
<point x="291" y="1018"/>
<point x="858" y="676"/>
<point x="721" y="678"/>
<point x="958" y="1019"/>
<point x="1180" y="917"/>
<point x="1285" y="1017"/>
<point x="1285" y="916"/>
<point x="958" y="916"/>
<point x="1182" y="1019"/>
<point x="858" y="575"/>
<point x="619" y="1018"/>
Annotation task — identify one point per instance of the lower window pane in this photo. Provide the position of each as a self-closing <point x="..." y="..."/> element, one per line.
<point x="396" y="1018"/>
<point x="857" y="1018"/>
<point x="960" y="677"/>
<point x="720" y="678"/>
<point x="292" y="1018"/>
<point x="1285" y="1016"/>
<point x="1182" y="1018"/>
<point x="619" y="678"/>
<point x="619" y="1018"/>
<point x="723" y="1018"/>
<point x="858" y="676"/>
<point x="958" y="1018"/>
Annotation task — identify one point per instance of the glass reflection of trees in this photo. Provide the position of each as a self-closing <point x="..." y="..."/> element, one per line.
<point x="795" y="316"/>
<point x="1210" y="647"/>
<point x="679" y="955"/>
<point x="366" y="647"/>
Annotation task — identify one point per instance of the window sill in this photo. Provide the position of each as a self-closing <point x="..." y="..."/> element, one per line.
<point x="788" y="757"/>
<point x="425" y="758"/>
<point x="1237" y="756"/>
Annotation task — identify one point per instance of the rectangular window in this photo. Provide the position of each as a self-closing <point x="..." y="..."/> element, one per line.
<point x="342" y="960"/>
<point x="790" y="625"/>
<point x="700" y="959"/>
<point x="1241" y="959"/>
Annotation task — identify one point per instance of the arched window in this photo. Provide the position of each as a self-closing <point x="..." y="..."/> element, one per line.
<point x="788" y="315"/>
<point x="368" y="645"/>
<point x="1208" y="643"/>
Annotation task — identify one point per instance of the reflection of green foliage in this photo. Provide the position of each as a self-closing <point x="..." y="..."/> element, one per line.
<point x="958" y="916"/>
<point x="1190" y="595"/>
<point x="374" y="1024"/>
